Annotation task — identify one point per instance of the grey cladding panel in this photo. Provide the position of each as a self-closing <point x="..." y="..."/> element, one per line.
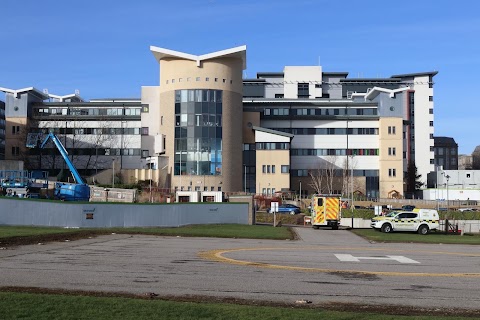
<point x="256" y="90"/>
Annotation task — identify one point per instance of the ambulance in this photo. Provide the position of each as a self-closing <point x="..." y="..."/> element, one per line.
<point x="326" y="211"/>
<point x="418" y="220"/>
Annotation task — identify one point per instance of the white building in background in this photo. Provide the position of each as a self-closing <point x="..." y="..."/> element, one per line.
<point x="453" y="185"/>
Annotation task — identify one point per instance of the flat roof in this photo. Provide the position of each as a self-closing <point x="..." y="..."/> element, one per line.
<point x="270" y="74"/>
<point x="432" y="73"/>
<point x="371" y="80"/>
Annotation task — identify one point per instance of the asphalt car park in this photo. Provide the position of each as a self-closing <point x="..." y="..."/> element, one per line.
<point x="323" y="266"/>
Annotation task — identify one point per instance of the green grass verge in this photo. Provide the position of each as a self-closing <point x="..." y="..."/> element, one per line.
<point x="433" y="237"/>
<point x="216" y="230"/>
<point x="53" y="306"/>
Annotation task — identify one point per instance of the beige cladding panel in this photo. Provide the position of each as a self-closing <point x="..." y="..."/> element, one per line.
<point x="218" y="74"/>
<point x="277" y="180"/>
<point x="387" y="163"/>
<point x="252" y="118"/>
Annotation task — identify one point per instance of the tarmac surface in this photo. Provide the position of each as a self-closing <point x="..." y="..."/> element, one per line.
<point x="323" y="266"/>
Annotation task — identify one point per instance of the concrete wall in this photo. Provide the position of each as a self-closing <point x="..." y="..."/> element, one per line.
<point x="63" y="214"/>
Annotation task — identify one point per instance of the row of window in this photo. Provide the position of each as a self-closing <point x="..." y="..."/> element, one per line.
<point x="334" y="152"/>
<point x="92" y="151"/>
<point x="336" y="172"/>
<point x="198" y="132"/>
<point x="198" y="108"/>
<point x="197" y="79"/>
<point x="198" y="120"/>
<point x="198" y="95"/>
<point x="320" y="111"/>
<point x="197" y="188"/>
<point x="272" y="145"/>
<point x="271" y="168"/>
<point x="329" y="131"/>
<point x="96" y="131"/>
<point x="88" y="111"/>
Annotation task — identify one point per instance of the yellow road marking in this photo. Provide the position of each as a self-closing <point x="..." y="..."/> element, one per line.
<point x="217" y="255"/>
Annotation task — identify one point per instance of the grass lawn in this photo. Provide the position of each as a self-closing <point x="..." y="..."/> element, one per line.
<point x="16" y="305"/>
<point x="433" y="237"/>
<point x="26" y="235"/>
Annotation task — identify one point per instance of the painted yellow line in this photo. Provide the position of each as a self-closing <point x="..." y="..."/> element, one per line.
<point x="217" y="255"/>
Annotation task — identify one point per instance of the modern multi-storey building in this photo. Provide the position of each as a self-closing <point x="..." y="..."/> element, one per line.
<point x="369" y="127"/>
<point x="446" y="153"/>
<point x="205" y="128"/>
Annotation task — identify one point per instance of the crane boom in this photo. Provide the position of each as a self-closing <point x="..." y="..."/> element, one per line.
<point x="64" y="153"/>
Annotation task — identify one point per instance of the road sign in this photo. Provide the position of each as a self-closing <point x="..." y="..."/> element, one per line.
<point x="274" y="207"/>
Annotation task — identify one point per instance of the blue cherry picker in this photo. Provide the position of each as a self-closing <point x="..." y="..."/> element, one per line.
<point x="78" y="191"/>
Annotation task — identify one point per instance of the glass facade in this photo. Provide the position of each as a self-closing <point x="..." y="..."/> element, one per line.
<point x="198" y="132"/>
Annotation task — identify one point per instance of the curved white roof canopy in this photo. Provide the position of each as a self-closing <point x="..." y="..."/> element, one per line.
<point x="237" y="52"/>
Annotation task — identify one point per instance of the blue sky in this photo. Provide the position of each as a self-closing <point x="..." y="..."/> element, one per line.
<point x="102" y="47"/>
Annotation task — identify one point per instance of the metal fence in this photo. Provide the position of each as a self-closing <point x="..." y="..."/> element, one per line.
<point x="64" y="214"/>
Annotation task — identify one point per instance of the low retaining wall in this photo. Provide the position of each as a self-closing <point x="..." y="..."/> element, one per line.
<point x="469" y="226"/>
<point x="92" y="215"/>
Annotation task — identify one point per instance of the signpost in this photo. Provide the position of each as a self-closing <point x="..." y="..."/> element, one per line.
<point x="274" y="209"/>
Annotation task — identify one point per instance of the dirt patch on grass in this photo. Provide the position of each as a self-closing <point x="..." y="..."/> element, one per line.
<point x="44" y="238"/>
<point x="333" y="306"/>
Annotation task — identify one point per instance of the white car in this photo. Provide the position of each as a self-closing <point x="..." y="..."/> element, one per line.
<point x="418" y="220"/>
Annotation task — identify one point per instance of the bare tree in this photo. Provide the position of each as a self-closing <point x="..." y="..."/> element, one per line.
<point x="316" y="177"/>
<point x="347" y="177"/>
<point x="323" y="177"/>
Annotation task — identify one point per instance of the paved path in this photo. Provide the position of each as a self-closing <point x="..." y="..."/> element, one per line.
<point x="323" y="266"/>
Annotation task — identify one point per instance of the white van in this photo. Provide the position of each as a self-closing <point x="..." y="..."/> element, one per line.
<point x="418" y="220"/>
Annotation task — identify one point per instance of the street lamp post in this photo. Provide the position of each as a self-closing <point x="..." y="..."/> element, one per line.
<point x="300" y="190"/>
<point x="113" y="173"/>
<point x="448" y="204"/>
<point x="245" y="178"/>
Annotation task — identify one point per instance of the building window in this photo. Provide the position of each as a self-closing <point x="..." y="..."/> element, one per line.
<point x="15" y="151"/>
<point x="264" y="169"/>
<point x="198" y="132"/>
<point x="207" y="79"/>
<point x="268" y="168"/>
<point x="144" y="131"/>
<point x="285" y="169"/>
<point x="219" y="189"/>
<point x="197" y="79"/>
<point x="392" y="151"/>
<point x="431" y="123"/>
<point x="273" y="168"/>
<point x="430" y="111"/>
<point x="279" y="96"/>
<point x="392" y="172"/>
<point x="391" y="130"/>
<point x="432" y="161"/>
<point x="430" y="98"/>
<point x="431" y="135"/>
<point x="216" y="79"/>
<point x="303" y="91"/>
<point x="145" y="153"/>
